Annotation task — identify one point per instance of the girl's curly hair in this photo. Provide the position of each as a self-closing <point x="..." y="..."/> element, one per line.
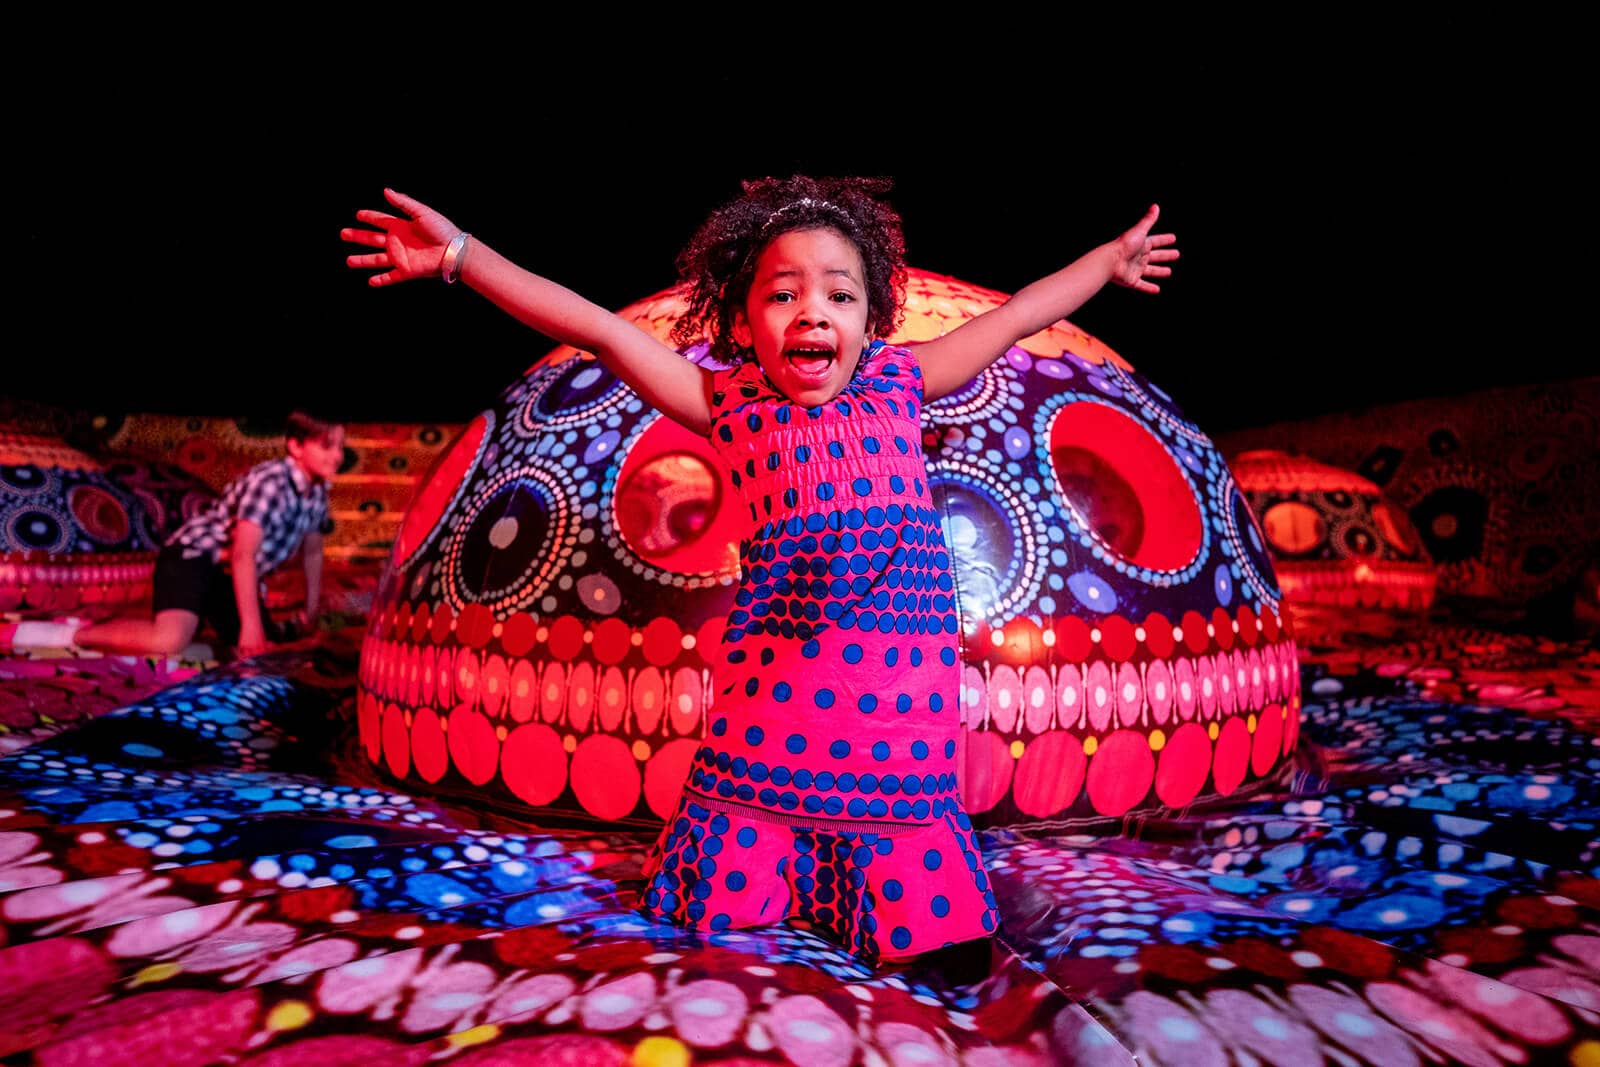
<point x="719" y="262"/>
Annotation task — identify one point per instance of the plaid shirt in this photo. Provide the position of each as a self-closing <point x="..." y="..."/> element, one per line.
<point x="278" y="497"/>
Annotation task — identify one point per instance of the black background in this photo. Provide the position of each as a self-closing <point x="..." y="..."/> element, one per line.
<point x="1356" y="229"/>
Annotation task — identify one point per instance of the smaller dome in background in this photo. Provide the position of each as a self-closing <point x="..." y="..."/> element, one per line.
<point x="1335" y="538"/>
<point x="77" y="531"/>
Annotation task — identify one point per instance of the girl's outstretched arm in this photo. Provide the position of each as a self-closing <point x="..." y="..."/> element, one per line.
<point x="951" y="361"/>
<point x="415" y="247"/>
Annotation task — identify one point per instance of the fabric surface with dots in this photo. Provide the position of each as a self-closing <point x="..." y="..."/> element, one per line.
<point x="826" y="786"/>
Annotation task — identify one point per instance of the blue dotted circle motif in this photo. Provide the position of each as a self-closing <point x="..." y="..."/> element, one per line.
<point x="36" y="527"/>
<point x="1154" y="406"/>
<point x="1068" y="527"/>
<point x="995" y="535"/>
<point x="1248" y="561"/>
<point x="571" y="393"/>
<point x="994" y="395"/>
<point x="512" y="538"/>
<point x="25" y="480"/>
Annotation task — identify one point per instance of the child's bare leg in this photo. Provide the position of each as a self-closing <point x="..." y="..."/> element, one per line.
<point x="167" y="634"/>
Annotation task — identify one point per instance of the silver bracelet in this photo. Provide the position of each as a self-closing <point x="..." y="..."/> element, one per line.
<point x="450" y="267"/>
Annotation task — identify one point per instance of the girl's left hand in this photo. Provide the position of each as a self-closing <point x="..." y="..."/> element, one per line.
<point x="1139" y="255"/>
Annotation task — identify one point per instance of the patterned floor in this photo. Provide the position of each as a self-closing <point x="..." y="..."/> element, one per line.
<point x="210" y="873"/>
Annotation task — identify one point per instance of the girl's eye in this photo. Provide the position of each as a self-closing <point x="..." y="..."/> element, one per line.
<point x="842" y="298"/>
<point x="781" y="298"/>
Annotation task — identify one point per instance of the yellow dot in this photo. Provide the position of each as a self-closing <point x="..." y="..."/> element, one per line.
<point x="1211" y="731"/>
<point x="569" y="743"/>
<point x="1017" y="748"/>
<point x="476" y="1036"/>
<point x="636" y="639"/>
<point x="1586" y="1054"/>
<point x="1250" y="723"/>
<point x="1089" y="745"/>
<point x="1158" y="740"/>
<point x="156" y="972"/>
<point x="498" y="629"/>
<point x="500" y="732"/>
<point x="641" y="750"/>
<point x="290" y="1015"/>
<point x="660" y="1052"/>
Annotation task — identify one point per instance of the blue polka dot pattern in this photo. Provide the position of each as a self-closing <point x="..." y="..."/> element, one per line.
<point x="842" y="883"/>
<point x="843" y="642"/>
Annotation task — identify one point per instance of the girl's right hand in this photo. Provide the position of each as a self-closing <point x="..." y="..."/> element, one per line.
<point x="411" y="247"/>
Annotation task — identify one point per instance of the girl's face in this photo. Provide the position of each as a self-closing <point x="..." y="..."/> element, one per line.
<point x="806" y="316"/>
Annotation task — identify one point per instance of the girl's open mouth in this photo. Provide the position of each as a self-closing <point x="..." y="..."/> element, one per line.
<point x="812" y="361"/>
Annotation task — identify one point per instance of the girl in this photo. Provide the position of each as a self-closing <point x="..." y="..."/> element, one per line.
<point x="826" y="788"/>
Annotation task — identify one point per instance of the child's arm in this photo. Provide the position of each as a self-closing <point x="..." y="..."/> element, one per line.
<point x="246" y="589"/>
<point x="951" y="361"/>
<point x="415" y="248"/>
<point x="312" y="551"/>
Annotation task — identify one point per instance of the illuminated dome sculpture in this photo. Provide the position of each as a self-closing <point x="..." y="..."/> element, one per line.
<point x="543" y="634"/>
<point x="1335" y="538"/>
<point x="75" y="531"/>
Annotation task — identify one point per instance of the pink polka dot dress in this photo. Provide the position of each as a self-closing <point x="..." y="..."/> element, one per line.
<point x="826" y="787"/>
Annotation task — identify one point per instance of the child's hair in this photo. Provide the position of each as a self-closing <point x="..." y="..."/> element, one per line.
<point x="302" y="427"/>
<point x="719" y="262"/>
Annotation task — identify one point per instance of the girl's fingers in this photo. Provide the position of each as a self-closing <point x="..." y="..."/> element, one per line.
<point x="1161" y="239"/>
<point x="1164" y="255"/>
<point x="1158" y="272"/>
<point x="375" y="259"/>
<point x="376" y="218"/>
<point x="365" y="237"/>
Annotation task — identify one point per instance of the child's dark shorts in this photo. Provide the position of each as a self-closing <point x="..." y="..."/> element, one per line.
<point x="200" y="586"/>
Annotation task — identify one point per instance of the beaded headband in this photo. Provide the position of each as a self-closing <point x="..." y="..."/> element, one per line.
<point x="804" y="201"/>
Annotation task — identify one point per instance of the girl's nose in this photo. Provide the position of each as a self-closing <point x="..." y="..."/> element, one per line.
<point x="813" y="317"/>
